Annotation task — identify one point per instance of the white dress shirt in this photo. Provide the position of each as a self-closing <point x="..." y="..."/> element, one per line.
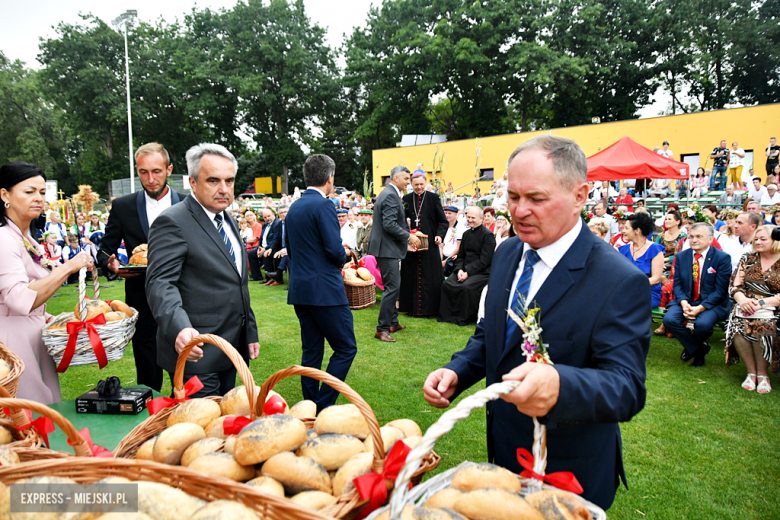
<point x="549" y="256"/>
<point x="155" y="207"/>
<point x="237" y="244"/>
<point x="755" y="194"/>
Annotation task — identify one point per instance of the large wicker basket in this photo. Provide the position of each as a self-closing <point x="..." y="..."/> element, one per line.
<point x="423" y="241"/>
<point x="360" y="293"/>
<point x="114" y="335"/>
<point x="158" y="422"/>
<point x="19" y="425"/>
<point x="10" y="382"/>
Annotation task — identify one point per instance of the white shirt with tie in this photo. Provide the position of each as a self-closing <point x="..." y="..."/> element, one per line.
<point x="235" y="242"/>
<point x="701" y="260"/>
<point x="155" y="207"/>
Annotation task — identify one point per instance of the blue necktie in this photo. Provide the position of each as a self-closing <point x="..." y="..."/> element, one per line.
<point x="521" y="291"/>
<point x="228" y="243"/>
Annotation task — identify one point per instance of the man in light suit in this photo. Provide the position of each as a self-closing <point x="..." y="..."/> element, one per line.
<point x="316" y="286"/>
<point x="390" y="239"/>
<point x="557" y="264"/>
<point x="701" y="304"/>
<point x="196" y="282"/>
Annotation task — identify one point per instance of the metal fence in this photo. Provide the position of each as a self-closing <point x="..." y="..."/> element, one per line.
<point x="120" y="187"/>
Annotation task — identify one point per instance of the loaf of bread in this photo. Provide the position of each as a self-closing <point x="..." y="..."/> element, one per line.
<point x="8" y="456"/>
<point x="224" y="510"/>
<point x="267" y="485"/>
<point x="5" y="435"/>
<point x="120" y="306"/>
<point x="139" y="256"/>
<point x="344" y="418"/>
<point x="424" y="513"/>
<point x="61" y="321"/>
<point x="390" y="434"/>
<point x="115" y="316"/>
<point x="171" y="443"/>
<point x="408" y="426"/>
<point x="5" y="368"/>
<point x="125" y="516"/>
<point x="297" y="474"/>
<point x="223" y="465"/>
<point x="146" y="451"/>
<point x="195" y="411"/>
<point x="304" y="409"/>
<point x="559" y="505"/>
<point x="444" y="498"/>
<point x="230" y="444"/>
<point x="364" y="274"/>
<point x="412" y="442"/>
<point x="267" y="436"/>
<point x="163" y="502"/>
<point x="94" y="308"/>
<point x="495" y="504"/>
<point x="311" y="434"/>
<point x="314" y="499"/>
<point x="358" y="465"/>
<point x="201" y="447"/>
<point x="236" y="402"/>
<point x="485" y="475"/>
<point x="114" y="480"/>
<point x="331" y="450"/>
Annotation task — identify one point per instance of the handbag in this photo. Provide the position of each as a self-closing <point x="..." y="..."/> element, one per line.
<point x="764" y="313"/>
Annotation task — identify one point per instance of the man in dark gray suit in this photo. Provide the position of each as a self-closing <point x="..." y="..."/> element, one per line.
<point x="196" y="282"/>
<point x="390" y="238"/>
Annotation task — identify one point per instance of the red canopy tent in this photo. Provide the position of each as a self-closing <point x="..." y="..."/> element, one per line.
<point x="627" y="159"/>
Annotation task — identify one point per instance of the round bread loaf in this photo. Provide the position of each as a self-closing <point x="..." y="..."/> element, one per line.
<point x="8" y="456"/>
<point x="114" y="480"/>
<point x="5" y="368"/>
<point x="358" y="465"/>
<point x="364" y="273"/>
<point x="230" y="444"/>
<point x="195" y="411"/>
<point x="297" y="474"/>
<point x="431" y="513"/>
<point x="314" y="499"/>
<point x="61" y="321"/>
<point x="304" y="409"/>
<point x="405" y="513"/>
<point x="559" y="505"/>
<point x="94" y="308"/>
<point x="201" y="447"/>
<point x="495" y="504"/>
<point x="311" y="434"/>
<point x="412" y="442"/>
<point x="171" y="443"/>
<point x="390" y="434"/>
<point x="140" y="258"/>
<point x="408" y="426"/>
<point x="120" y="306"/>
<point x="267" y="436"/>
<point x="5" y="435"/>
<point x="224" y="510"/>
<point x="163" y="502"/>
<point x="344" y="418"/>
<point x="223" y="465"/>
<point x="331" y="450"/>
<point x="115" y="316"/>
<point x="215" y="427"/>
<point x="444" y="498"/>
<point x="485" y="475"/>
<point x="125" y="516"/>
<point x="236" y="402"/>
<point x="267" y="485"/>
<point x="146" y="451"/>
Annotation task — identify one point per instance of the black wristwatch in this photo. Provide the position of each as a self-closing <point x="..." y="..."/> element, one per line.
<point x="761" y="303"/>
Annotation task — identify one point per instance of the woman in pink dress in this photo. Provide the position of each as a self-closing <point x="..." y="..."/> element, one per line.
<point x="28" y="280"/>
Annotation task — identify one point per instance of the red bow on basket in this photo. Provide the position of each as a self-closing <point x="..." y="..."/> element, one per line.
<point x="372" y="485"/>
<point x="233" y="425"/>
<point x="94" y="338"/>
<point x="158" y="404"/>
<point x="562" y="479"/>
<point x="43" y="425"/>
<point x="97" y="451"/>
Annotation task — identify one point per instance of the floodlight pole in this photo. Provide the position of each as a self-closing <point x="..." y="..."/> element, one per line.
<point x="125" y="20"/>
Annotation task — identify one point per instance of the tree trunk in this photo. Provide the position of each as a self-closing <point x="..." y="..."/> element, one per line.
<point x="109" y="144"/>
<point x="284" y="180"/>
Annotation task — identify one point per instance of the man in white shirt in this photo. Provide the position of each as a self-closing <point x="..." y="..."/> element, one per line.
<point x="771" y="197"/>
<point x="742" y="242"/>
<point x="755" y="190"/>
<point x="449" y="245"/>
<point x="600" y="209"/>
<point x="735" y="165"/>
<point x="348" y="229"/>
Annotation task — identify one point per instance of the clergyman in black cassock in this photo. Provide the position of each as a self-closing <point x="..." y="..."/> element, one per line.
<point x="461" y="292"/>
<point x="421" y="271"/>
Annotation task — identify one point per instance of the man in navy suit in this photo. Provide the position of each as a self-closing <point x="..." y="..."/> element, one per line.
<point x="270" y="243"/>
<point x="598" y="376"/>
<point x="702" y="305"/>
<point x="281" y="255"/>
<point x="316" y="287"/>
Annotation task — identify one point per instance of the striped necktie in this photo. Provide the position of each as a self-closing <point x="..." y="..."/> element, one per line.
<point x="521" y="292"/>
<point x="228" y="243"/>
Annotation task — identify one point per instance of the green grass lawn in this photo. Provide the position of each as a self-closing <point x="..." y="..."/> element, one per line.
<point x="703" y="448"/>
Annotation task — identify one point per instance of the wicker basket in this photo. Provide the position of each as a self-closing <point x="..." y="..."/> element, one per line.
<point x="158" y="422"/>
<point x="402" y="496"/>
<point x="195" y="483"/>
<point x="19" y="425"/>
<point x="11" y="381"/>
<point x="360" y="293"/>
<point x="423" y="241"/>
<point x="115" y="335"/>
<point x="348" y="504"/>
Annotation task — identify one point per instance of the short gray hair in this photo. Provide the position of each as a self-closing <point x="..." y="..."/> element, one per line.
<point x="705" y="225"/>
<point x="569" y="161"/>
<point x="398" y="169"/>
<point x="196" y="153"/>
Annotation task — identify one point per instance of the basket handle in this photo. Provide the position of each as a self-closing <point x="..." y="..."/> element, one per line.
<point x="230" y="352"/>
<point x="83" y="290"/>
<point x="80" y="446"/>
<point x="354" y="257"/>
<point x="344" y="389"/>
<point x="20" y="419"/>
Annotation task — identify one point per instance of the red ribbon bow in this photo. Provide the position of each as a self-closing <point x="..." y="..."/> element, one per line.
<point x="94" y="338"/>
<point x="372" y="485"/>
<point x="97" y="451"/>
<point x="43" y="425"/>
<point x="562" y="479"/>
<point x="273" y="405"/>
<point x="161" y="403"/>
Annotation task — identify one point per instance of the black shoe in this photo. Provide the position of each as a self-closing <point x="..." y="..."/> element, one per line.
<point x="705" y="349"/>
<point x="686" y="356"/>
<point x="698" y="362"/>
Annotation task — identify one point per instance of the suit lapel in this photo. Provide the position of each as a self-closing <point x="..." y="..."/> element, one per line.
<point x="140" y="204"/>
<point x="705" y="267"/>
<point x="203" y="220"/>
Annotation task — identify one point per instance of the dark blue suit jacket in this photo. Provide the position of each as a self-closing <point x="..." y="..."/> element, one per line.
<point x="713" y="287"/>
<point x="315" y="252"/>
<point x="595" y="315"/>
<point x="274" y="239"/>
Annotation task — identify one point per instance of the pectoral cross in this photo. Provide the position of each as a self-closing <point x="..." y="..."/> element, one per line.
<point x="417" y="220"/>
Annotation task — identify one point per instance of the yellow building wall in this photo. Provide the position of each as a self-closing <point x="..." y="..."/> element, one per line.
<point x="687" y="134"/>
<point x="264" y="185"/>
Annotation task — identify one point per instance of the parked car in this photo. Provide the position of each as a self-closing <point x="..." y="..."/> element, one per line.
<point x="339" y="190"/>
<point x="252" y="195"/>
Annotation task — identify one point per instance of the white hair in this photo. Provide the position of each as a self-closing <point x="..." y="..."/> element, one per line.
<point x="196" y="153"/>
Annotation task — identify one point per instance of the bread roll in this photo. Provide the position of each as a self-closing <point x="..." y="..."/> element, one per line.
<point x="297" y="474"/>
<point x="559" y="505"/>
<point x="364" y="274"/>
<point x="120" y="306"/>
<point x="331" y="450"/>
<point x="267" y="485"/>
<point x="114" y="480"/>
<point x="485" y="475"/>
<point x="344" y="418"/>
<point x="311" y="434"/>
<point x="201" y="447"/>
<point x="125" y="516"/>
<point x="230" y="444"/>
<point x="224" y="510"/>
<point x="94" y="308"/>
<point x="146" y="451"/>
<point x="408" y="426"/>
<point x="47" y="480"/>
<point x="61" y="321"/>
<point x="139" y="258"/>
<point x="115" y="316"/>
<point x="444" y="498"/>
<point x="195" y="411"/>
<point x="430" y="513"/>
<point x="495" y="504"/>
<point x="304" y="409"/>
<point x="236" y="402"/>
<point x="358" y="465"/>
<point x="8" y="456"/>
<point x="171" y="443"/>
<point x="267" y="436"/>
<point x="5" y="368"/>
<point x="412" y="442"/>
<point x="314" y="499"/>
<point x="6" y="436"/>
<point x="215" y="427"/>
<point x="163" y="502"/>
<point x="390" y="434"/>
<point x="223" y="465"/>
